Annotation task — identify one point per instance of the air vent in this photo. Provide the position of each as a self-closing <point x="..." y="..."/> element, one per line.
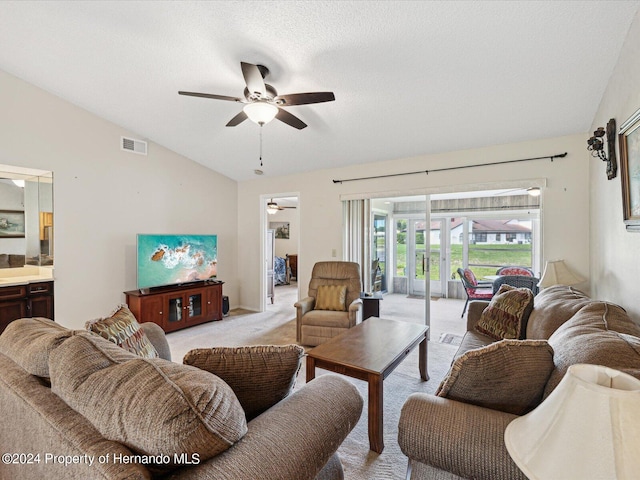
<point x="133" y="145"/>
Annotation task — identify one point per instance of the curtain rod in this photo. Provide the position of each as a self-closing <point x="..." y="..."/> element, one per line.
<point x="550" y="157"/>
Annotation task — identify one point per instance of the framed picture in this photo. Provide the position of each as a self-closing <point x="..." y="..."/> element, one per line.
<point x="11" y="224"/>
<point x="629" y="139"/>
<point x="281" y="228"/>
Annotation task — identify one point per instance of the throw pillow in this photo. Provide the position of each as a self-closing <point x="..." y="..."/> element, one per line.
<point x="153" y="406"/>
<point x="260" y="376"/>
<point x="331" y="297"/>
<point x="507" y="313"/>
<point x="122" y="328"/>
<point x="509" y="375"/>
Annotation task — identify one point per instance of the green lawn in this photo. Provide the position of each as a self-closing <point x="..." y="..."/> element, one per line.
<point x="483" y="259"/>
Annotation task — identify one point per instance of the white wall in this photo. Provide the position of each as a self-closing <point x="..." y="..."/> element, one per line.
<point x="615" y="267"/>
<point x="104" y="196"/>
<point x="566" y="200"/>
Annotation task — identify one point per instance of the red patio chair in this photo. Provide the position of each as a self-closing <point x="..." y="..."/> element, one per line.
<point x="475" y="290"/>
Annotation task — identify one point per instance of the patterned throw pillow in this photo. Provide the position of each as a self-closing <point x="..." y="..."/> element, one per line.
<point x="122" y="328"/>
<point x="507" y="313"/>
<point x="509" y="375"/>
<point x="331" y="297"/>
<point x="259" y="375"/>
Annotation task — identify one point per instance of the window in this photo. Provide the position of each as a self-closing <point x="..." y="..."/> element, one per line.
<point x="511" y="243"/>
<point x="480" y="237"/>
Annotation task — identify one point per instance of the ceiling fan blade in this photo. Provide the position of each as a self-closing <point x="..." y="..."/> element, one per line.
<point x="239" y="118"/>
<point x="289" y="119"/>
<point x="211" y="95"/>
<point x="253" y="78"/>
<point x="305" y="98"/>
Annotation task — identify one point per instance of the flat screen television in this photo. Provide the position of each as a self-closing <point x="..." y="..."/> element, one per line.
<point x="176" y="259"/>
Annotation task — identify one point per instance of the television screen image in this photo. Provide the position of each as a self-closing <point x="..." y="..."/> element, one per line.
<point x="176" y="259"/>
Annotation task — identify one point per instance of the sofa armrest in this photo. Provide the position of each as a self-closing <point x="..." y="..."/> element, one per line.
<point x="463" y="439"/>
<point x="156" y="336"/>
<point x="292" y="440"/>
<point x="476" y="307"/>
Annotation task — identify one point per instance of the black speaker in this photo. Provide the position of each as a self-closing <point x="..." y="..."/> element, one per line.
<point x="225" y="305"/>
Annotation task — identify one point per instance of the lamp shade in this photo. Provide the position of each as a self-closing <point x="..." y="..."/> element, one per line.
<point x="260" y="112"/>
<point x="556" y="272"/>
<point x="587" y="428"/>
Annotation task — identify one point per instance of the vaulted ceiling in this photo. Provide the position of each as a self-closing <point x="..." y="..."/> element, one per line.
<point x="409" y="78"/>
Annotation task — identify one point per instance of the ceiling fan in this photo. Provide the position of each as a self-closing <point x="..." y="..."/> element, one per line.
<point x="262" y="102"/>
<point x="273" y="207"/>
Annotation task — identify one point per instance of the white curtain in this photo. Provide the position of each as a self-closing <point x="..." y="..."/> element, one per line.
<point x="357" y="236"/>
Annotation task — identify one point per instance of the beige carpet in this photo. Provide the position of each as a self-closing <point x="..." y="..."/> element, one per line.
<point x="277" y="326"/>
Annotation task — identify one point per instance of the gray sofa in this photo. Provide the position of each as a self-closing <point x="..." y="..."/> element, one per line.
<point x="463" y="438"/>
<point x="60" y="388"/>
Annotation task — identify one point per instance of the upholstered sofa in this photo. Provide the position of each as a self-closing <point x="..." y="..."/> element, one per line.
<point x="459" y="432"/>
<point x="77" y="406"/>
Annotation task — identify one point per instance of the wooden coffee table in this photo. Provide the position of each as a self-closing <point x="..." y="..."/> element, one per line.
<point x="370" y="351"/>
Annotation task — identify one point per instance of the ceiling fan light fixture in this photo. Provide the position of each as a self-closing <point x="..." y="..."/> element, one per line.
<point x="272" y="207"/>
<point x="260" y="112"/>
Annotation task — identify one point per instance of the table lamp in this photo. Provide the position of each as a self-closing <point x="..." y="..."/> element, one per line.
<point x="556" y="272"/>
<point x="587" y="428"/>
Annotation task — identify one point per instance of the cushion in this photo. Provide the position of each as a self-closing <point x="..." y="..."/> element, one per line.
<point x="552" y="307"/>
<point x="4" y="260"/>
<point x="601" y="334"/>
<point x="260" y="376"/>
<point x="122" y="328"/>
<point x="331" y="297"/>
<point x="509" y="375"/>
<point x="507" y="313"/>
<point x="152" y="406"/>
<point x="30" y="341"/>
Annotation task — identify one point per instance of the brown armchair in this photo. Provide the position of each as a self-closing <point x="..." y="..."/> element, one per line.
<point x="315" y="326"/>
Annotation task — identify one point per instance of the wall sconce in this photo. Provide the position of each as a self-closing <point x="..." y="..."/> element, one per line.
<point x="596" y="147"/>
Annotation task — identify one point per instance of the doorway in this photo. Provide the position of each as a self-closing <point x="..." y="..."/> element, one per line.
<point x="280" y="235"/>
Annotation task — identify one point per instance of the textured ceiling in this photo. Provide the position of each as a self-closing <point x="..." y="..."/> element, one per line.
<point x="409" y="78"/>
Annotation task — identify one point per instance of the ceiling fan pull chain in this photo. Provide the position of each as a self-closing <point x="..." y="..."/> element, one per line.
<point x="261" y="144"/>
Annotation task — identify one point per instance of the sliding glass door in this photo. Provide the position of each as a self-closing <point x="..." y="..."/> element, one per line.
<point x="416" y="257"/>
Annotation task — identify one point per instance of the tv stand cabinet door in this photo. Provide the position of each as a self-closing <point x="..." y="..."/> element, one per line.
<point x="214" y="302"/>
<point x="149" y="308"/>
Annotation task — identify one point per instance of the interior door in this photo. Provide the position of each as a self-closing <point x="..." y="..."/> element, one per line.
<point x="269" y="255"/>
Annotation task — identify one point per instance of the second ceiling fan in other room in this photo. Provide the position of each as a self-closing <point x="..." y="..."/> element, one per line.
<point x="273" y="207"/>
<point x="262" y="102"/>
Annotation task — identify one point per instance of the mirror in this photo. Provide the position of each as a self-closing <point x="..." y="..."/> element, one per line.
<point x="26" y="217"/>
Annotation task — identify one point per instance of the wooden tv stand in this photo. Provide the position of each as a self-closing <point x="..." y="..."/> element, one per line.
<point x="177" y="306"/>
